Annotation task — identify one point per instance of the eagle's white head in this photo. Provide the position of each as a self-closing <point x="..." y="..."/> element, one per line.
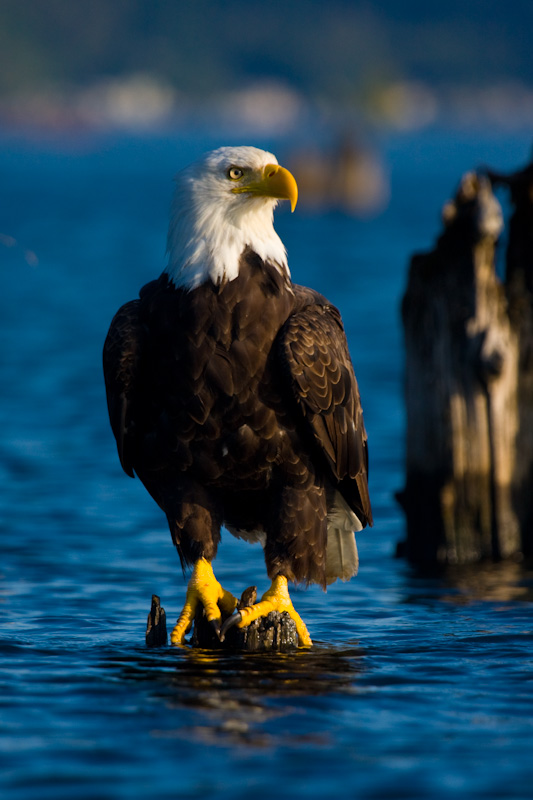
<point x="222" y="204"/>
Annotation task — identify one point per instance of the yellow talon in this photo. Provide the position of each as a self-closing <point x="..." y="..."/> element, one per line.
<point x="203" y="588"/>
<point x="276" y="598"/>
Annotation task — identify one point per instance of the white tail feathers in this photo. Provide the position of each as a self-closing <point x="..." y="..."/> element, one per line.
<point x="342" y="560"/>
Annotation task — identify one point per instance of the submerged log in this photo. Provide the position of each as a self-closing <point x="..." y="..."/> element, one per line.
<point x="275" y="632"/>
<point x="461" y="391"/>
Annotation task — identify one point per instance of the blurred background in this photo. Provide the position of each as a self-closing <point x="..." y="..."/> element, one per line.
<point x="70" y="67"/>
<point x="378" y="108"/>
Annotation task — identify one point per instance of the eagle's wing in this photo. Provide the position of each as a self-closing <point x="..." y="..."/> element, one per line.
<point x="315" y="353"/>
<point x="121" y="355"/>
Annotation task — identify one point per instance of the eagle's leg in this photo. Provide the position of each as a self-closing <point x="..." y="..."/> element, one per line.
<point x="276" y="598"/>
<point x="203" y="588"/>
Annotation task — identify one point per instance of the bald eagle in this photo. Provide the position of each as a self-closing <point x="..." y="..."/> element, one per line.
<point x="232" y="396"/>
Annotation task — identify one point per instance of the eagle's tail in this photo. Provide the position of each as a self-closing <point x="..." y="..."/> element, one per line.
<point x="342" y="560"/>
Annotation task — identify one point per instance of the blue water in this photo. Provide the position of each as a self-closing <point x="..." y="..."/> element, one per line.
<point x="417" y="687"/>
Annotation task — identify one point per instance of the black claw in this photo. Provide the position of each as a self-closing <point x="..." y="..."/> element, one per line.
<point x="229" y="623"/>
<point x="216" y="627"/>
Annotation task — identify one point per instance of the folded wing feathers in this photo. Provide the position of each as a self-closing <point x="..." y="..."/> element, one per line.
<point x="120" y="356"/>
<point x="315" y="352"/>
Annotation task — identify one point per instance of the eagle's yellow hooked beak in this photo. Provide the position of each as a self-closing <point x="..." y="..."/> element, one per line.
<point x="274" y="181"/>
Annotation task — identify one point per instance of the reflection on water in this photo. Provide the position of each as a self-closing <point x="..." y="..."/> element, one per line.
<point x="506" y="581"/>
<point x="317" y="671"/>
<point x="237" y="692"/>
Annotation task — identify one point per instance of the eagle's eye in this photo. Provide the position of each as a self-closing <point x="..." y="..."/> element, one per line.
<point x="235" y="173"/>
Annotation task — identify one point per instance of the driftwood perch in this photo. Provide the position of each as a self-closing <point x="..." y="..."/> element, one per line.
<point x="276" y="632"/>
<point x="461" y="391"/>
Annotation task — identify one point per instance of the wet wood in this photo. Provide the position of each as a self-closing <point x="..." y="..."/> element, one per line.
<point x="461" y="391"/>
<point x="276" y="632"/>
<point x="156" y="626"/>
<point x="519" y="287"/>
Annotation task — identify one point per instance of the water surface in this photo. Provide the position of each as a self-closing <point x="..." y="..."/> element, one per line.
<point x="416" y="686"/>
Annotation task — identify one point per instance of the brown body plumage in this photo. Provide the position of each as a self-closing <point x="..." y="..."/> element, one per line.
<point x="236" y="404"/>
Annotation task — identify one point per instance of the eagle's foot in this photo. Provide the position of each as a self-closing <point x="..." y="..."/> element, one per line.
<point x="203" y="588"/>
<point x="276" y="598"/>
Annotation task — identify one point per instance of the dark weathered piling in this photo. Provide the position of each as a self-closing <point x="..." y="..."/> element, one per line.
<point x="461" y="391"/>
<point x="519" y="287"/>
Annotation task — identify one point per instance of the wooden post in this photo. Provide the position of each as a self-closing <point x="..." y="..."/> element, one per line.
<point x="519" y="286"/>
<point x="461" y="391"/>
